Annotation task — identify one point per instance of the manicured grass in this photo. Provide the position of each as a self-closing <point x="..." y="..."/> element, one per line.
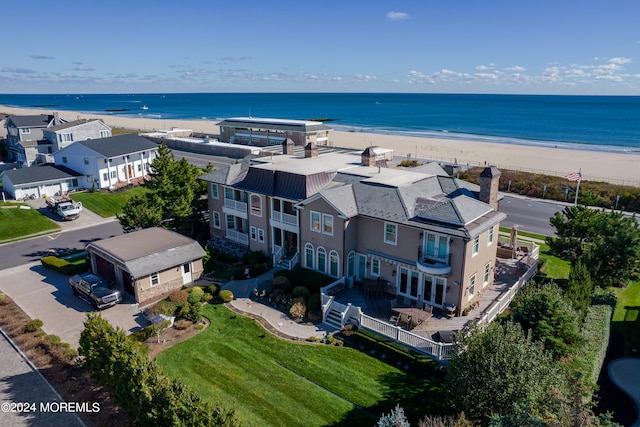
<point x="104" y="204"/>
<point x="626" y="317"/>
<point x="273" y="382"/>
<point x="16" y="223"/>
<point x="554" y="267"/>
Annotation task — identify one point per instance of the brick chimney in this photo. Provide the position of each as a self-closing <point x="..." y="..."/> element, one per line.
<point x="311" y="150"/>
<point x="489" y="180"/>
<point x="287" y="147"/>
<point x="368" y="157"/>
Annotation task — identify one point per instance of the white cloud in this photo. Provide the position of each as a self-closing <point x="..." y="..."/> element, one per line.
<point x="516" y="68"/>
<point x="397" y="16"/>
<point x="620" y="60"/>
<point x="485" y="67"/>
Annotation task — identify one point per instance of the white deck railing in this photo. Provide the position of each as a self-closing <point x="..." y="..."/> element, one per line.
<point x="285" y="218"/>
<point x="237" y="236"/>
<point x="437" y="350"/>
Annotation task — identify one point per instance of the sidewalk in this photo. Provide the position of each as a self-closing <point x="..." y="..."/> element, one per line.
<point x="279" y="321"/>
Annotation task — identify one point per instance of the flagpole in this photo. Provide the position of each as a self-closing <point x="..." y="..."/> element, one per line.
<point x="575" y="202"/>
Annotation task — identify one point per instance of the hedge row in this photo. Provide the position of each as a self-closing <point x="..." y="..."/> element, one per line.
<point x="63" y="266"/>
<point x="595" y="331"/>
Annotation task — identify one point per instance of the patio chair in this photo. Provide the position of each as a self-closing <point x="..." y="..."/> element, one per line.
<point x="394" y="318"/>
<point x="404" y="320"/>
<point x="413" y="323"/>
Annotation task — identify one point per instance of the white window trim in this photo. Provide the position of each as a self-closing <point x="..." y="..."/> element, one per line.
<point x="472" y="286"/>
<point x="389" y="242"/>
<point x="309" y="247"/>
<point x="490" y="237"/>
<point x="374" y="262"/>
<point x="157" y="278"/>
<point x="254" y="232"/>
<point x="216" y="194"/>
<point x="251" y="205"/>
<point x="219" y="226"/>
<point x="334" y="255"/>
<point x="319" y="229"/>
<point x="476" y="246"/>
<point x="260" y="235"/>
<point x="324" y="224"/>
<point x="326" y="259"/>
<point x="486" y="273"/>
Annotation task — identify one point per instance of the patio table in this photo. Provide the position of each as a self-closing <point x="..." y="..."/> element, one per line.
<point x="415" y="313"/>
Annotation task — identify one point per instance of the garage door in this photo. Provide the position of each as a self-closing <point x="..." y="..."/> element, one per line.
<point x="105" y="269"/>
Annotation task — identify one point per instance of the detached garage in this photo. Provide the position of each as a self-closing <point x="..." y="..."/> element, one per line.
<point x="148" y="264"/>
<point x="41" y="181"/>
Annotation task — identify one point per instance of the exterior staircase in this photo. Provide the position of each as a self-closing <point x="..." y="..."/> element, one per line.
<point x="334" y="318"/>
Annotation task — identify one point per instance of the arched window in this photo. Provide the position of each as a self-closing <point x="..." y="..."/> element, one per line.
<point x="334" y="264"/>
<point x="308" y="251"/>
<point x="321" y="265"/>
<point x="351" y="264"/>
<point x="256" y="205"/>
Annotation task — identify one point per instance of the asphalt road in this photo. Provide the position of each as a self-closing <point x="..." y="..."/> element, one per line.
<point x="530" y="214"/>
<point x="27" y="251"/>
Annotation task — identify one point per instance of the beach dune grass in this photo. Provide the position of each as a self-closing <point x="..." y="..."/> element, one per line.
<point x="16" y="223"/>
<point x="273" y="382"/>
<point x="107" y="204"/>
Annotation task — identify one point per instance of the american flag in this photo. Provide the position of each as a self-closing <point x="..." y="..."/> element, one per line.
<point x="575" y="176"/>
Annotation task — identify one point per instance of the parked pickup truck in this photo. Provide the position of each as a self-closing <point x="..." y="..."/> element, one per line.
<point x="64" y="207"/>
<point x="95" y="290"/>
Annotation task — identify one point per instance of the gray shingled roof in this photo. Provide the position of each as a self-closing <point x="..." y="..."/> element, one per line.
<point x="44" y="173"/>
<point x="120" y="145"/>
<point x="41" y="120"/>
<point x="70" y="124"/>
<point x="150" y="250"/>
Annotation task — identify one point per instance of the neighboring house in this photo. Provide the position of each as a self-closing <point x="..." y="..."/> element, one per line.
<point x="39" y="181"/>
<point x="148" y="264"/>
<point x="264" y="132"/>
<point x="431" y="240"/>
<point x="65" y="134"/>
<point x="109" y="162"/>
<point x="25" y="137"/>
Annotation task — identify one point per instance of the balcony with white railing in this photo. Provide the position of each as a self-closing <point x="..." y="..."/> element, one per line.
<point x="237" y="236"/>
<point x="235" y="207"/>
<point x="432" y="264"/>
<point x="284" y="218"/>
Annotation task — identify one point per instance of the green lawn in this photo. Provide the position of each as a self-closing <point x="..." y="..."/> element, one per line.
<point x="626" y="317"/>
<point x="273" y="382"/>
<point x="16" y="223"/>
<point x="104" y="204"/>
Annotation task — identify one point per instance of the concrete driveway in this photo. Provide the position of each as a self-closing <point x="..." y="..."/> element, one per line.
<point x="86" y="219"/>
<point x="46" y="295"/>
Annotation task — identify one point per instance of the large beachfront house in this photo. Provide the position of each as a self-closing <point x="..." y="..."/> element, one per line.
<point x="65" y="134"/>
<point x="109" y="162"/>
<point x="25" y="137"/>
<point x="430" y="240"/>
<point x="263" y="132"/>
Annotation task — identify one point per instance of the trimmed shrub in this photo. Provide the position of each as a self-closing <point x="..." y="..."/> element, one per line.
<point x="225" y="295"/>
<point x="182" y="324"/>
<point x="313" y="303"/>
<point x="212" y="289"/>
<point x="142" y="334"/>
<point x="595" y="330"/>
<point x="33" y="325"/>
<point x="180" y="296"/>
<point x="190" y="312"/>
<point x="603" y="296"/>
<point x="166" y="307"/>
<point x="206" y="297"/>
<point x="281" y="282"/>
<point x="298" y="310"/>
<point x="4" y="300"/>
<point x="63" y="266"/>
<point x="195" y="295"/>
<point x="301" y="291"/>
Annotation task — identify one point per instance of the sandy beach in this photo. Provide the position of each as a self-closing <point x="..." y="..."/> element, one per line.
<point x="596" y="166"/>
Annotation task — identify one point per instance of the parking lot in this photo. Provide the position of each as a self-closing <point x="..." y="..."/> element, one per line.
<point x="46" y="295"/>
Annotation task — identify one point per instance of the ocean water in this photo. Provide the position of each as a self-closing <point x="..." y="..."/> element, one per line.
<point x="601" y="123"/>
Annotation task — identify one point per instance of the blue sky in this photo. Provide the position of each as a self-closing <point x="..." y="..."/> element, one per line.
<point x="421" y="46"/>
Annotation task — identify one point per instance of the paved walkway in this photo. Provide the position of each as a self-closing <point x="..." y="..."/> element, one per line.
<point x="21" y="383"/>
<point x="625" y="373"/>
<point x="243" y="289"/>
